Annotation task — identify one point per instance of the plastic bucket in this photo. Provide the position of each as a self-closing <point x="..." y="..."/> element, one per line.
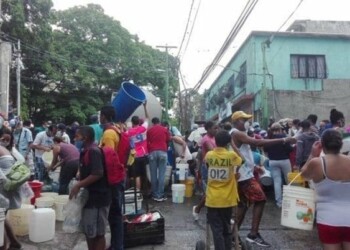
<point x="44" y="202"/>
<point x="182" y="171"/>
<point x="127" y="100"/>
<point x="36" y="187"/>
<point x="266" y="179"/>
<point x="60" y="202"/>
<point x="297" y="179"/>
<point x="189" y="187"/>
<point x="2" y="226"/>
<point x="178" y="192"/>
<point x="49" y="194"/>
<point x="19" y="219"/>
<point x="298" y="207"/>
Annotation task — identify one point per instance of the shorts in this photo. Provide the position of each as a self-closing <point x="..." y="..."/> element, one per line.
<point x="94" y="221"/>
<point x="333" y="234"/>
<point x="250" y="191"/>
<point x="138" y="168"/>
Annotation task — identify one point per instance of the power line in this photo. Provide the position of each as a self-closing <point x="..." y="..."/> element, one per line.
<point x="184" y="36"/>
<point x="192" y="27"/>
<point x="236" y="28"/>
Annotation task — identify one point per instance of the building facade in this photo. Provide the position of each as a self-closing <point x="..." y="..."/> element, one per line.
<point x="285" y="74"/>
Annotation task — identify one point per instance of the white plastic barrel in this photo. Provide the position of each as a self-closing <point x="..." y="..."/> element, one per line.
<point x="178" y="192"/>
<point x="42" y="225"/>
<point x="298" y="207"/>
<point x="19" y="219"/>
<point x="60" y="202"/>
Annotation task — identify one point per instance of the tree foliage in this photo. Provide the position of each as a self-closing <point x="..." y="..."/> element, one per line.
<point x="74" y="59"/>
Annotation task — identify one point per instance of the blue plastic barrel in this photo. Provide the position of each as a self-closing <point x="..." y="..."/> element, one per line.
<point x="127" y="100"/>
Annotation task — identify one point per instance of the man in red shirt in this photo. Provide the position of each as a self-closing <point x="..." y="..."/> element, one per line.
<point x="158" y="138"/>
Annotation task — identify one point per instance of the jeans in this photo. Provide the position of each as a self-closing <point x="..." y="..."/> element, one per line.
<point x="279" y="168"/>
<point x="157" y="164"/>
<point x="219" y="220"/>
<point x="115" y="217"/>
<point x="39" y="169"/>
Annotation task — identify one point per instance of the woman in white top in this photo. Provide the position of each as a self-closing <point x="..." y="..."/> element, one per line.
<point x="331" y="176"/>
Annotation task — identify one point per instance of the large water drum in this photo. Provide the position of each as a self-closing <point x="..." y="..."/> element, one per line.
<point x="129" y="97"/>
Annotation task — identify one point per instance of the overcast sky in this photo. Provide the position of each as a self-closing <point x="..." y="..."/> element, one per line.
<point x="161" y="22"/>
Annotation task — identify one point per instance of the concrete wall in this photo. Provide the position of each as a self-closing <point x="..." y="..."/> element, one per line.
<point x="299" y="104"/>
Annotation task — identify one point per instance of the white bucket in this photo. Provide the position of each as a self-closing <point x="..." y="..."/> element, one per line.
<point x="55" y="175"/>
<point x="298" y="207"/>
<point x="47" y="158"/>
<point x="266" y="179"/>
<point x="49" y="194"/>
<point x="44" y="202"/>
<point x="42" y="225"/>
<point x="19" y="219"/>
<point x="60" y="202"/>
<point x="167" y="174"/>
<point x="182" y="170"/>
<point x="2" y="225"/>
<point x="178" y="192"/>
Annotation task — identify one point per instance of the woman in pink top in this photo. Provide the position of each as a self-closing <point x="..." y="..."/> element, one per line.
<point x="138" y="140"/>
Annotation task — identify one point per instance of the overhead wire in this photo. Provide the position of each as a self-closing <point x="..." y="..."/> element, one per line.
<point x="236" y="28"/>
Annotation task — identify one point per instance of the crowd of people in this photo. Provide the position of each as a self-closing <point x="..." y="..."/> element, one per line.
<point x="226" y="159"/>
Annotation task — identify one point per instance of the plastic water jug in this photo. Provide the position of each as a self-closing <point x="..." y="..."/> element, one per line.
<point x="19" y="219"/>
<point x="42" y="225"/>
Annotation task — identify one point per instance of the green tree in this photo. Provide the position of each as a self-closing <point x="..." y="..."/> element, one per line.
<point x="72" y="70"/>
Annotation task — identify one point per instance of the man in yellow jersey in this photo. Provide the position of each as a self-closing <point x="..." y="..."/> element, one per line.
<point x="222" y="193"/>
<point x="111" y="138"/>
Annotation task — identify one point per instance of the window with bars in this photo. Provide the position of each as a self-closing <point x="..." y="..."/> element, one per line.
<point x="243" y="75"/>
<point x="308" y="66"/>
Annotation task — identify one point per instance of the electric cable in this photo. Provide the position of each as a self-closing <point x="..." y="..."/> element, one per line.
<point x="236" y="28"/>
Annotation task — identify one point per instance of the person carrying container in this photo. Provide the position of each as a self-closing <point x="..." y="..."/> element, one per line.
<point x="222" y="192"/>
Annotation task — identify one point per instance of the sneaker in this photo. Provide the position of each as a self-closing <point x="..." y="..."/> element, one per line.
<point x="239" y="242"/>
<point x="157" y="199"/>
<point x="195" y="214"/>
<point x="164" y="198"/>
<point x="257" y="239"/>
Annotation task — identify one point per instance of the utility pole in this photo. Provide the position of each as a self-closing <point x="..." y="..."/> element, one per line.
<point x="167" y="47"/>
<point x="5" y="61"/>
<point x="18" y="76"/>
<point x="263" y="87"/>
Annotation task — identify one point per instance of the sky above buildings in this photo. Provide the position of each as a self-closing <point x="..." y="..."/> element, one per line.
<point x="163" y="22"/>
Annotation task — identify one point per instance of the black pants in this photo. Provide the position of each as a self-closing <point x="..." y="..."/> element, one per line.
<point x="68" y="172"/>
<point x="219" y="221"/>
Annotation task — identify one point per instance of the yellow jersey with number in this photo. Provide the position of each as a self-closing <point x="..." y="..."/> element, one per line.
<point x="222" y="184"/>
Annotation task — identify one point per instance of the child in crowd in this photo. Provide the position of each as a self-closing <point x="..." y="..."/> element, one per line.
<point x="222" y="193"/>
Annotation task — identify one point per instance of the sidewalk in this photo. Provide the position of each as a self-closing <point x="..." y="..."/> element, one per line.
<point x="182" y="233"/>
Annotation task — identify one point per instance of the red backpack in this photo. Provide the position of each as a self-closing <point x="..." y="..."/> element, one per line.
<point x="123" y="150"/>
<point x="114" y="169"/>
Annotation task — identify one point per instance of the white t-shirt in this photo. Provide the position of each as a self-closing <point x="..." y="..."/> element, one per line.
<point x="44" y="140"/>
